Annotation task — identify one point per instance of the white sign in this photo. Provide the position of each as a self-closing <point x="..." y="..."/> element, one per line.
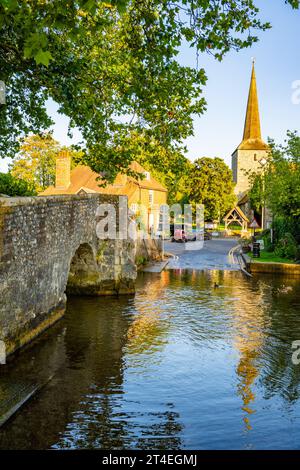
<point x="2" y="92"/>
<point x="262" y="244"/>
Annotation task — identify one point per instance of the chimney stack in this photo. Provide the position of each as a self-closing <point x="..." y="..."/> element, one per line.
<point x="63" y="170"/>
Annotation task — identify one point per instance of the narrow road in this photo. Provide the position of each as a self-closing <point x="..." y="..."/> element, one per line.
<point x="213" y="255"/>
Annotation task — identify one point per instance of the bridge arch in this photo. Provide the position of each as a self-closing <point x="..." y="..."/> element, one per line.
<point x="84" y="276"/>
<point x="46" y="244"/>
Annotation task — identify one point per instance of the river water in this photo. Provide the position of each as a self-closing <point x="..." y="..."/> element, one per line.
<point x="197" y="359"/>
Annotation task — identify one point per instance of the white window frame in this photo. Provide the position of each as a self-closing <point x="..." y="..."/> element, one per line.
<point x="151" y="197"/>
<point x="134" y="207"/>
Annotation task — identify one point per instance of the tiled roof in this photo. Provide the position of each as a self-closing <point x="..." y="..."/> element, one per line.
<point x="83" y="178"/>
<point x="144" y="183"/>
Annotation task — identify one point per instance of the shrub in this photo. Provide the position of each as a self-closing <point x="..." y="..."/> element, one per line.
<point x="11" y="186"/>
<point x="266" y="237"/>
<point x="287" y="247"/>
<point x="141" y="261"/>
<point x="283" y="225"/>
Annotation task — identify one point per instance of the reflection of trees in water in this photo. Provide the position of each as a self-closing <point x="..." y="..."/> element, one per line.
<point x="148" y="331"/>
<point x="163" y="434"/>
<point x="86" y="406"/>
<point x="279" y="375"/>
<point x="88" y="358"/>
<point x="104" y="421"/>
<point x="266" y="324"/>
<point x="102" y="426"/>
<point x="82" y="406"/>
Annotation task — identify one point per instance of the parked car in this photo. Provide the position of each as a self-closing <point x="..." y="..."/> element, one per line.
<point x="182" y="236"/>
<point x="179" y="236"/>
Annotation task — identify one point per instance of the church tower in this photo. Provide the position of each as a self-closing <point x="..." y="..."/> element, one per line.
<point x="252" y="148"/>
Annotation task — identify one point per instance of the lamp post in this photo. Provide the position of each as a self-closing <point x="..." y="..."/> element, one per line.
<point x="263" y="162"/>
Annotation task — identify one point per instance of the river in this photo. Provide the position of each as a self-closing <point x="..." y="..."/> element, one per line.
<point x="199" y="358"/>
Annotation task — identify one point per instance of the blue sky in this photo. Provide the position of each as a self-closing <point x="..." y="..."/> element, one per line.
<point x="219" y="130"/>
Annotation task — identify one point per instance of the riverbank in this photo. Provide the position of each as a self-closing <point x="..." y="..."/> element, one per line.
<point x="261" y="265"/>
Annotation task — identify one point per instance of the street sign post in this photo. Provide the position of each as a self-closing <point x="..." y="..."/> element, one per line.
<point x="254" y="225"/>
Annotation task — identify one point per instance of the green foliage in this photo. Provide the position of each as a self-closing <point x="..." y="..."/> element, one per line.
<point x="36" y="19"/>
<point x="211" y="184"/>
<point x="279" y="188"/>
<point x="111" y="67"/>
<point x="141" y="261"/>
<point x="35" y="163"/>
<point x="257" y="192"/>
<point x="283" y="177"/>
<point x="268" y="245"/>
<point x="36" y="160"/>
<point x="287" y="247"/>
<point x="173" y="173"/>
<point x="11" y="186"/>
<point x="270" y="257"/>
<point x="283" y="225"/>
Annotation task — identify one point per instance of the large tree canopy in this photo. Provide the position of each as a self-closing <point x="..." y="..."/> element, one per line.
<point x="36" y="161"/>
<point x="112" y="69"/>
<point x="211" y="184"/>
<point x="278" y="188"/>
<point x="279" y="185"/>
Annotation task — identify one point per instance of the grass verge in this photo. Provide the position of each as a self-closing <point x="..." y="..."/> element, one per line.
<point x="270" y="257"/>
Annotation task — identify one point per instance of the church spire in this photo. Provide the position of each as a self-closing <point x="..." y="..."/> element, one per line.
<point x="252" y="132"/>
<point x="252" y="121"/>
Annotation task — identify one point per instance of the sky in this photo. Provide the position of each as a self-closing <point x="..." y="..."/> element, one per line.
<point x="219" y="131"/>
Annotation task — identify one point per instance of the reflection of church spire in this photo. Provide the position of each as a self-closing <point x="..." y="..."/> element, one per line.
<point x="249" y="338"/>
<point x="247" y="372"/>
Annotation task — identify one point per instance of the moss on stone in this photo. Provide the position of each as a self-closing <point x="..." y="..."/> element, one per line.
<point x="24" y="336"/>
<point x="100" y="252"/>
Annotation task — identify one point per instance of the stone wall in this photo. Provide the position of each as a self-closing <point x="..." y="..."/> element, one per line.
<point x="148" y="249"/>
<point x="49" y="245"/>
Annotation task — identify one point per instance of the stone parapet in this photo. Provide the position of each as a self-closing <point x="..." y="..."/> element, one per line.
<point x="49" y="246"/>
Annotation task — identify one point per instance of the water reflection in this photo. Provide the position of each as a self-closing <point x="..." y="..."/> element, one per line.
<point x="194" y="360"/>
<point x="250" y="326"/>
<point x="148" y="331"/>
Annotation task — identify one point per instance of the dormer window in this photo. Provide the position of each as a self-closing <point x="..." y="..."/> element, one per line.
<point x="147" y="175"/>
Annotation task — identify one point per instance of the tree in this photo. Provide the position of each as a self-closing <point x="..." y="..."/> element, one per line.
<point x="283" y="177"/>
<point x="280" y="179"/>
<point x="11" y="186"/>
<point x="281" y="193"/>
<point x="111" y="67"/>
<point x="36" y="160"/>
<point x="211" y="184"/>
<point x="35" y="163"/>
<point x="170" y="168"/>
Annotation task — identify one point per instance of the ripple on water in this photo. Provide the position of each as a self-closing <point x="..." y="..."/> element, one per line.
<point x="183" y="364"/>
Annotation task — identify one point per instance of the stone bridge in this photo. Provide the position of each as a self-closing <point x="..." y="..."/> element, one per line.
<point x="49" y="246"/>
